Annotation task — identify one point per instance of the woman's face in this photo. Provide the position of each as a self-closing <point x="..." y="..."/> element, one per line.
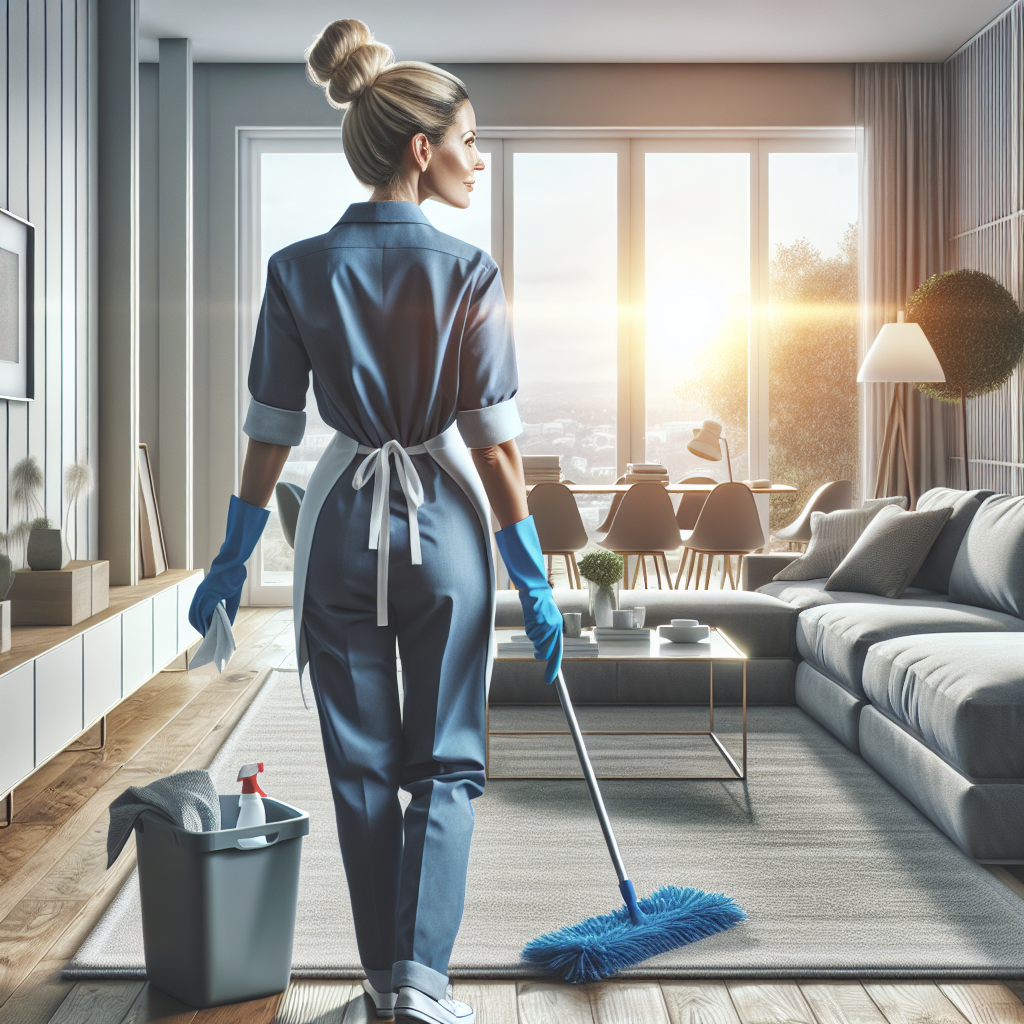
<point x="451" y="168"/>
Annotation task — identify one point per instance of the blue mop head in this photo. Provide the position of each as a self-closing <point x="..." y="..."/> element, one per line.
<point x="602" y="946"/>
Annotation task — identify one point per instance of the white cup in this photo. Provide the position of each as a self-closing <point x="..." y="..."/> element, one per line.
<point x="622" y="618"/>
<point x="639" y="615"/>
<point x="684" y="623"/>
<point x="572" y="623"/>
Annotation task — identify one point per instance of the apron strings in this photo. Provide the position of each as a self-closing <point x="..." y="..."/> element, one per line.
<point x="377" y="465"/>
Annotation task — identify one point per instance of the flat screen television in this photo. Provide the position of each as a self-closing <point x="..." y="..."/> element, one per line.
<point x="17" y="302"/>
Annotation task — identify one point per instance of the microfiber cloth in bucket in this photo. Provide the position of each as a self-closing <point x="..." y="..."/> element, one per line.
<point x="189" y="799"/>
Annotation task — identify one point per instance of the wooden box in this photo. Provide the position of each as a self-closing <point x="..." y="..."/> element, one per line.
<point x="60" y="597"/>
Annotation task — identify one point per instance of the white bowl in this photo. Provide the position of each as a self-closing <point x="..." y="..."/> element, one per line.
<point x="684" y="634"/>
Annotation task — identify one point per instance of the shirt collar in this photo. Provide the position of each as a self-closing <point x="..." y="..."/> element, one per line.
<point x="384" y="213"/>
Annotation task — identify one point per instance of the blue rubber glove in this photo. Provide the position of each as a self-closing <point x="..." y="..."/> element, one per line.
<point x="227" y="573"/>
<point x="520" y="548"/>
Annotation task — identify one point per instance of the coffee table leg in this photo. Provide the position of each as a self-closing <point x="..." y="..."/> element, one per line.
<point x="744" y="718"/>
<point x="711" y="696"/>
<point x="487" y="736"/>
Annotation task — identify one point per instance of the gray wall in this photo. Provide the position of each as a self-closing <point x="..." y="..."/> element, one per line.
<point x="47" y="117"/>
<point x="231" y="95"/>
<point x="985" y="89"/>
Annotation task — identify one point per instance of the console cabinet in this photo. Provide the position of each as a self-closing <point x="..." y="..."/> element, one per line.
<point x="56" y="682"/>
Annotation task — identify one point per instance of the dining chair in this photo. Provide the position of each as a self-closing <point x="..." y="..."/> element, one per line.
<point x="559" y="527"/>
<point x="644" y="526"/>
<point x="289" y="498"/>
<point x="688" y="511"/>
<point x="728" y="525"/>
<point x="606" y="525"/>
<point x="828" y="498"/>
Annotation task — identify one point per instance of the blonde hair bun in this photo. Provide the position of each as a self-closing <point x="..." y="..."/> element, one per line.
<point x="345" y="60"/>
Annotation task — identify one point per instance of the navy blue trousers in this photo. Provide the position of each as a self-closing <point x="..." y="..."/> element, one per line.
<point x="406" y="873"/>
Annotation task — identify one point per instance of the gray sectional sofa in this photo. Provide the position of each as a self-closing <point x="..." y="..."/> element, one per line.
<point x="927" y="688"/>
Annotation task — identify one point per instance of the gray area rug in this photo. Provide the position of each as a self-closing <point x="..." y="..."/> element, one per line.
<point x="839" y="874"/>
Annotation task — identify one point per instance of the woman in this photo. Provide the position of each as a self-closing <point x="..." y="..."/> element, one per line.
<point x="406" y="333"/>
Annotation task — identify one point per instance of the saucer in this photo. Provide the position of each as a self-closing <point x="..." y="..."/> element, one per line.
<point x="684" y="634"/>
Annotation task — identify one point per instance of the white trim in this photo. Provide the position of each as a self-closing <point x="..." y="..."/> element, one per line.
<point x="517" y="133"/>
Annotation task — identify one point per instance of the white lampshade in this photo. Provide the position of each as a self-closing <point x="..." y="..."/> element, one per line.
<point x="901" y="352"/>
<point x="706" y="443"/>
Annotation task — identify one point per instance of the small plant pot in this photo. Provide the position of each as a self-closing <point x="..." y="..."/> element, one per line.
<point x="603" y="601"/>
<point x="45" y="550"/>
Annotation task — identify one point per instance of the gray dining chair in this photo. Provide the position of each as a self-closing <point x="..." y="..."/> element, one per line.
<point x="728" y="525"/>
<point x="289" y="498"/>
<point x="606" y="525"/>
<point x="559" y="527"/>
<point x="828" y="498"/>
<point x="644" y="526"/>
<point x="691" y="504"/>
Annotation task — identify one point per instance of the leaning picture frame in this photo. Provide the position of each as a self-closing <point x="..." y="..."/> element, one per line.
<point x="17" y="308"/>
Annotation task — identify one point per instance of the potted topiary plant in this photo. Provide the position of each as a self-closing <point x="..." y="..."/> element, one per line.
<point x="977" y="331"/>
<point x="45" y="546"/>
<point x="603" y="572"/>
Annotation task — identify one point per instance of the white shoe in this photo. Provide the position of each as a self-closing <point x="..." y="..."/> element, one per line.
<point x="416" y="1005"/>
<point x="384" y="1001"/>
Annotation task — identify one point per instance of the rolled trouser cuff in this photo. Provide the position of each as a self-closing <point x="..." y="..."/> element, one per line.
<point x="380" y="980"/>
<point x="418" y="976"/>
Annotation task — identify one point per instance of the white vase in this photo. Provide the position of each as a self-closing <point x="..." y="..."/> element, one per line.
<point x="603" y="601"/>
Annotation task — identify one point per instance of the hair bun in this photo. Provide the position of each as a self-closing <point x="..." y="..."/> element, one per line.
<point x="345" y="61"/>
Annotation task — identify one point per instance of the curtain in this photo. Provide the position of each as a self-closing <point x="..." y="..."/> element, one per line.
<point x="900" y="109"/>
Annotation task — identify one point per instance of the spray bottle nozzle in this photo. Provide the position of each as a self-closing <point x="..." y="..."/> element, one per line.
<point x="247" y="777"/>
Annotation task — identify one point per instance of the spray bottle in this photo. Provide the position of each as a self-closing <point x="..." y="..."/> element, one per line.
<point x="250" y="804"/>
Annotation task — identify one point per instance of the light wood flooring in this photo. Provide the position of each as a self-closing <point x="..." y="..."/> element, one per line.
<point x="54" y="886"/>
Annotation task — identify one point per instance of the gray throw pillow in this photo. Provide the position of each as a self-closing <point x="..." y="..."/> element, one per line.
<point x="889" y="552"/>
<point x="989" y="567"/>
<point x="896" y="499"/>
<point x="938" y="564"/>
<point x="832" y="536"/>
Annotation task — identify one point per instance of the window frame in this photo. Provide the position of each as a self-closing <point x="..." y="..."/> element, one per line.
<point x="501" y="144"/>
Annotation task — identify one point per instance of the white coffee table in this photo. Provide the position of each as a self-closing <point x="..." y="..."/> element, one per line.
<point x="717" y="648"/>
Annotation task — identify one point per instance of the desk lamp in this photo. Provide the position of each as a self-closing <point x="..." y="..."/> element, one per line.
<point x="707" y="444"/>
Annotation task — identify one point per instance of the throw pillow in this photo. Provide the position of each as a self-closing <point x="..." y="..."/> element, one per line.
<point x="832" y="536"/>
<point x="896" y="499"/>
<point x="938" y="564"/>
<point x="989" y="567"/>
<point x="889" y="552"/>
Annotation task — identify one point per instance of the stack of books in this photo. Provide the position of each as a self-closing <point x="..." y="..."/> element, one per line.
<point x="646" y="472"/>
<point x="520" y="646"/>
<point x="618" y="635"/>
<point x="541" y="469"/>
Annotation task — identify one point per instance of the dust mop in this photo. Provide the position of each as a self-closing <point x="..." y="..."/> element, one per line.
<point x="604" y="945"/>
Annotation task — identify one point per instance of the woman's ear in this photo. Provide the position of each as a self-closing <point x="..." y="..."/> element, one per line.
<point x="421" y="151"/>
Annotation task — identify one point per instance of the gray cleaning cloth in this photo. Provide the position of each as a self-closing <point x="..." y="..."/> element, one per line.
<point x="188" y="799"/>
<point x="219" y="643"/>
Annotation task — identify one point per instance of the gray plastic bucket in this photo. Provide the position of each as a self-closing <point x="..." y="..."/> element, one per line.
<point x="218" y="921"/>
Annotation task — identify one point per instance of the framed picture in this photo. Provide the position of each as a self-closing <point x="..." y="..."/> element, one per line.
<point x="152" y="549"/>
<point x="17" y="303"/>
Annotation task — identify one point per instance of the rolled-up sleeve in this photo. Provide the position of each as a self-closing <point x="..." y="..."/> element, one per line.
<point x="278" y="373"/>
<point x="488" y="379"/>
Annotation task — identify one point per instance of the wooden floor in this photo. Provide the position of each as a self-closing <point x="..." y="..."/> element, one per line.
<point x="54" y="886"/>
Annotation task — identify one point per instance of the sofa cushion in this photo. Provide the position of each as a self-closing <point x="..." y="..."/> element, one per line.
<point x="812" y="593"/>
<point x="832" y="536"/>
<point x="899" y="500"/>
<point x="962" y="694"/>
<point x="889" y="552"/>
<point x="835" y="638"/>
<point x="989" y="567"/>
<point x="938" y="564"/>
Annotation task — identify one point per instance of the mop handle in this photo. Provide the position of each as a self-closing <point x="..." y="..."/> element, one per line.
<point x="588" y="772"/>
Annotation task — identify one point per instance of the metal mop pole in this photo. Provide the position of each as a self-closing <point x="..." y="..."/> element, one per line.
<point x="625" y="885"/>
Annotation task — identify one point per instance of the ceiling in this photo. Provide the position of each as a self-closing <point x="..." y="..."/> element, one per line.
<point x="580" y="31"/>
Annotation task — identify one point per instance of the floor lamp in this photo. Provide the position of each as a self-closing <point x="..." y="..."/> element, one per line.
<point x="901" y="354"/>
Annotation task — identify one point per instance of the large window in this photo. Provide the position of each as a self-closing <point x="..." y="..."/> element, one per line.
<point x="654" y="282"/>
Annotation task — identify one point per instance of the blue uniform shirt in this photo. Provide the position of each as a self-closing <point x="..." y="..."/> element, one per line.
<point x="405" y="328"/>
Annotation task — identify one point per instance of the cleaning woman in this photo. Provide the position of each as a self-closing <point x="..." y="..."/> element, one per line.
<point x="407" y="335"/>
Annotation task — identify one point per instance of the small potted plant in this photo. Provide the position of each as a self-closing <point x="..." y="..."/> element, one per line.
<point x="603" y="572"/>
<point x="45" y="546"/>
